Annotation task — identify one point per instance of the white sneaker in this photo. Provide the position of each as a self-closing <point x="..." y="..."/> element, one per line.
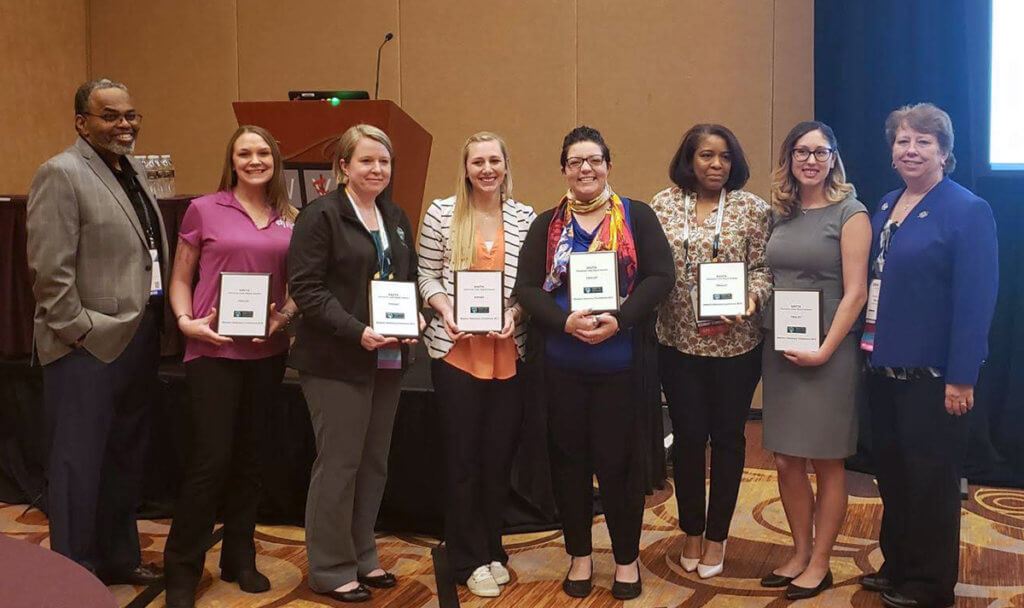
<point x="482" y="583"/>
<point x="500" y="573"/>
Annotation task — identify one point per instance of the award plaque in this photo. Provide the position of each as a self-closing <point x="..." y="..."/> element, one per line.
<point x="394" y="309"/>
<point x="721" y="289"/>
<point x="797" y="316"/>
<point x="479" y="301"/>
<point x="594" y="281"/>
<point x="244" y="304"/>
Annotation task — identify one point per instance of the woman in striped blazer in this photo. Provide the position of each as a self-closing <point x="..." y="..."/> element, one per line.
<point x="475" y="376"/>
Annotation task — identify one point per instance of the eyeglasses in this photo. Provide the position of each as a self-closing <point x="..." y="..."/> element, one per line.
<point x="820" y="154"/>
<point x="112" y="118"/>
<point x="575" y="163"/>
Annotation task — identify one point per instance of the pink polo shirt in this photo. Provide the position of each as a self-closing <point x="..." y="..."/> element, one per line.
<point x="229" y="241"/>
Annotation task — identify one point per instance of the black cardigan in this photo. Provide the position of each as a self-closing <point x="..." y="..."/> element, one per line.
<point x="331" y="260"/>
<point x="655" y="272"/>
<point x="655" y="277"/>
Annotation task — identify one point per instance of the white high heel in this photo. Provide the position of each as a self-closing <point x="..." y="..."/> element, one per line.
<point x="706" y="571"/>
<point x="689" y="564"/>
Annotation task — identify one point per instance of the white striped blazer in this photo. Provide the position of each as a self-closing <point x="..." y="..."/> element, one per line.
<point x="435" y="270"/>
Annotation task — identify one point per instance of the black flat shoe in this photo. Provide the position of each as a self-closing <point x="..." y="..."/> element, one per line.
<point x="381" y="581"/>
<point x="141" y="575"/>
<point x="359" y="594"/>
<point x="579" y="588"/>
<point x="628" y="591"/>
<point x="249" y="580"/>
<point x="773" y="580"/>
<point x="876" y="582"/>
<point x="795" y="592"/>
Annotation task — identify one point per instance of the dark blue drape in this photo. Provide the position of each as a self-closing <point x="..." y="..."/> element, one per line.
<point x="872" y="56"/>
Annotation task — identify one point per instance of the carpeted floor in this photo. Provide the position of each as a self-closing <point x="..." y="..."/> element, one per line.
<point x="992" y="564"/>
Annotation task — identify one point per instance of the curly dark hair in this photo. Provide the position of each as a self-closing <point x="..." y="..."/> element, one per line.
<point x="584" y="133"/>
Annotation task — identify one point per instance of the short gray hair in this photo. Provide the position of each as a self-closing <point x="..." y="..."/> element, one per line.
<point x="85" y="91"/>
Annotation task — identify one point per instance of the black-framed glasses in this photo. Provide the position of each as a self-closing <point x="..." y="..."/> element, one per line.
<point x="574" y="163"/>
<point x="820" y="154"/>
<point x="112" y="118"/>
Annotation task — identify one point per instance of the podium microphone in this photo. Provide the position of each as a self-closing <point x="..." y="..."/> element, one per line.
<point x="376" y="83"/>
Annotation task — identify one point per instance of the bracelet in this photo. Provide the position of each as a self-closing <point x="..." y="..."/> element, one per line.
<point x="289" y="316"/>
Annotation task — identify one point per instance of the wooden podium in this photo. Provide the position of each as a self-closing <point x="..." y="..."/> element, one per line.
<point x="307" y="132"/>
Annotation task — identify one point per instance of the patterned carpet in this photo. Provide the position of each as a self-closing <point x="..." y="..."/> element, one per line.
<point x="992" y="564"/>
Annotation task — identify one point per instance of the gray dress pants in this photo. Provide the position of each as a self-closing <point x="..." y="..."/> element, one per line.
<point x="352" y="423"/>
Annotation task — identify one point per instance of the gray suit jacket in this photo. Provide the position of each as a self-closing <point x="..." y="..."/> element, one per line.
<point x="88" y="255"/>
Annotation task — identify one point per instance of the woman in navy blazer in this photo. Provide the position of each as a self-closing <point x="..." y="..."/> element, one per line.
<point x="933" y="284"/>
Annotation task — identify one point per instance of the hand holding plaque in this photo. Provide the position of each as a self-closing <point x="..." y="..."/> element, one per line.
<point x="479" y="301"/>
<point x="797" y="316"/>
<point x="394" y="309"/>
<point x="244" y="304"/>
<point x="594" y="281"/>
<point x="721" y="290"/>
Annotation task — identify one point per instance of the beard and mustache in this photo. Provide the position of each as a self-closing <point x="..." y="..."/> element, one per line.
<point x="119" y="148"/>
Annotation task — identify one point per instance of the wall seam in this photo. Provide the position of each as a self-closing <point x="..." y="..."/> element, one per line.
<point x="576" y="64"/>
<point x="398" y="33"/>
<point x="771" y="112"/>
<point x="238" y="58"/>
<point x="88" y="40"/>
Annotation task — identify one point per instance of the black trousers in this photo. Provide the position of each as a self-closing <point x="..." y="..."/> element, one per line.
<point x="481" y="422"/>
<point x="98" y="417"/>
<point x="227" y="419"/>
<point x="591" y="422"/>
<point x="918" y="451"/>
<point x="708" y="398"/>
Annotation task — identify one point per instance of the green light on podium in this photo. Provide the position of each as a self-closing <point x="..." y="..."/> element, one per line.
<point x="335" y="101"/>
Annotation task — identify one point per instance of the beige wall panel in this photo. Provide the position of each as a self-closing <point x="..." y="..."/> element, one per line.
<point x="645" y="76"/>
<point x="793" y="84"/>
<point x="43" y="52"/>
<point x="508" y="68"/>
<point x="316" y="44"/>
<point x="179" y="59"/>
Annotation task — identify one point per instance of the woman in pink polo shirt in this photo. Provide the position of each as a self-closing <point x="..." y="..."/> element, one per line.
<point x="245" y="226"/>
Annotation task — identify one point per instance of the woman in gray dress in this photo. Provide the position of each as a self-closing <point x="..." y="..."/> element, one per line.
<point x="820" y="241"/>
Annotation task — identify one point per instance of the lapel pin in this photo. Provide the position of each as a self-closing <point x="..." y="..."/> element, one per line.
<point x="922" y="215"/>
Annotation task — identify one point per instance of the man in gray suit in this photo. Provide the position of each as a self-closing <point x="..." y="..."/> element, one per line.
<point x="98" y="252"/>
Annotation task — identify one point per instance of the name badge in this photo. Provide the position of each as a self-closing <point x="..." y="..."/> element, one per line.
<point x="873" y="290"/>
<point x="156" y="283"/>
<point x="389" y="358"/>
<point x="867" y="339"/>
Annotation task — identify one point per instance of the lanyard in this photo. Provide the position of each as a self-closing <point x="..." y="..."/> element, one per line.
<point x="718" y="228"/>
<point x="380" y="220"/>
<point x="138" y="198"/>
<point x="381" y="230"/>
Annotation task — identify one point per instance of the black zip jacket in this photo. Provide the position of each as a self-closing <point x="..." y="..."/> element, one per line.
<point x="330" y="263"/>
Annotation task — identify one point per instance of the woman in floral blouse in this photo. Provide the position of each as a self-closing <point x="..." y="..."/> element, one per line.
<point x="709" y="369"/>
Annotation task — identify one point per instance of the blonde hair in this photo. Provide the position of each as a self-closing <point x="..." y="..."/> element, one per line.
<point x="462" y="241"/>
<point x="785" y="188"/>
<point x="346" y="146"/>
<point x="277" y="192"/>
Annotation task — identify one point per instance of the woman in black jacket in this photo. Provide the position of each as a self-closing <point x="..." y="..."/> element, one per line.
<point x="597" y="391"/>
<point x="350" y="374"/>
